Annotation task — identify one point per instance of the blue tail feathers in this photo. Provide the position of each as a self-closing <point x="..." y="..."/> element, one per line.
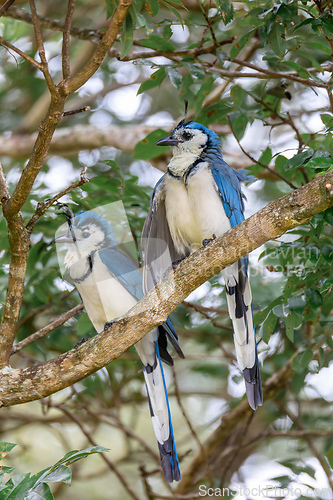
<point x="167" y="448"/>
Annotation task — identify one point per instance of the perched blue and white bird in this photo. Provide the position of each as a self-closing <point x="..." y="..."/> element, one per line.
<point x="109" y="284"/>
<point x="197" y="199"/>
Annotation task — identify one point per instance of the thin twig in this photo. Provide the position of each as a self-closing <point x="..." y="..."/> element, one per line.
<point x="21" y="53"/>
<point x="47" y="329"/>
<point x="202" y="310"/>
<point x="4" y="192"/>
<point x="147" y="487"/>
<point x="34" y="312"/>
<point x="40" y="46"/>
<point x="190" y="426"/>
<point x="126" y="430"/>
<point x="44" y="205"/>
<point x="76" y="111"/>
<point x="5" y="6"/>
<point x="257" y="162"/>
<point x="280" y="74"/>
<point x="48" y="23"/>
<point x="66" y="68"/>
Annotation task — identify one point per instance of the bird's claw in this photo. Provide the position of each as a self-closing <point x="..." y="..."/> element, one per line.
<point x="208" y="240"/>
<point x="109" y="324"/>
<point x="176" y="263"/>
<point x="80" y="342"/>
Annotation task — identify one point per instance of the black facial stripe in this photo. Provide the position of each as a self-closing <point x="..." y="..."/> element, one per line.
<point x="192" y="169"/>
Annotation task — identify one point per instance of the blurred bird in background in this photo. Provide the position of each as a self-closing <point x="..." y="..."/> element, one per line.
<point x="110" y="284"/>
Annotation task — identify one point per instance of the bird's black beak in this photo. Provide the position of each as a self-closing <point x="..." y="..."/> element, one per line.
<point x="167" y="141"/>
<point x="63" y="238"/>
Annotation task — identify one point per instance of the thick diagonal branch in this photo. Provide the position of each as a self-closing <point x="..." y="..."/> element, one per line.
<point x="272" y="221"/>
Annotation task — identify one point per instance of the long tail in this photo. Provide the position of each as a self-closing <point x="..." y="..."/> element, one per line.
<point x="159" y="408"/>
<point x="239" y="299"/>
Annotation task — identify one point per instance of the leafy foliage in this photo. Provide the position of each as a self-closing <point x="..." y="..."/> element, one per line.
<point x="259" y="74"/>
<point x="36" y="486"/>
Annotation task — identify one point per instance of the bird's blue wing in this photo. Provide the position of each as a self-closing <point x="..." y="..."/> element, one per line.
<point x="124" y="270"/>
<point x="130" y="276"/>
<point x="228" y="182"/>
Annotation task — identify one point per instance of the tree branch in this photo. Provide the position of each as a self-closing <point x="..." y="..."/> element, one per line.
<point x="21" y="53"/>
<point x="41" y="49"/>
<point x="271" y="222"/>
<point x="257" y="162"/>
<point x="47" y="329"/>
<point x="75" y="82"/>
<point x="66" y="68"/>
<point x="52" y="24"/>
<point x="70" y="140"/>
<point x="44" y="205"/>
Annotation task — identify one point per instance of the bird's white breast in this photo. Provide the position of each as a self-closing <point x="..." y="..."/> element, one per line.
<point x="104" y="297"/>
<point x="182" y="224"/>
<point x="194" y="209"/>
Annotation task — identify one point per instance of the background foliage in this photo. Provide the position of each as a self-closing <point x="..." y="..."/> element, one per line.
<point x="259" y="74"/>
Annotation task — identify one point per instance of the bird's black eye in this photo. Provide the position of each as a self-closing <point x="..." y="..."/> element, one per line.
<point x="187" y="135"/>
<point x="85" y="234"/>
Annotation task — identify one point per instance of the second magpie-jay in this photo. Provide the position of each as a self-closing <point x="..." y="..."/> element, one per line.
<point x="109" y="284"/>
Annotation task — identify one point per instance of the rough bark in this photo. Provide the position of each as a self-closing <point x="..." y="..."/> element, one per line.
<point x="23" y="385"/>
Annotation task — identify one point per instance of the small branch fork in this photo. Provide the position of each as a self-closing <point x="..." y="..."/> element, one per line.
<point x="18" y="231"/>
<point x="47" y="329"/>
<point x="266" y="167"/>
<point x="43" y="206"/>
<point x="41" y="49"/>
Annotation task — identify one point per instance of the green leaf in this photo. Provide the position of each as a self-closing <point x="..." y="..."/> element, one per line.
<point x="277" y="40"/>
<point x="239" y="123"/>
<point x="297" y="382"/>
<point x="173" y="75"/>
<point x="196" y="71"/>
<point x="290" y="322"/>
<point x="5" y="448"/>
<point x="237" y="94"/>
<point x="203" y="92"/>
<point x="299" y="159"/>
<point x="266" y="156"/>
<point x="61" y="474"/>
<point x="157" y="43"/>
<point x="297" y="304"/>
<point x="127" y="36"/>
<point x="146" y="149"/>
<point x="321" y="164"/>
<point x="111" y="6"/>
<point x="175" y="11"/>
<point x="212" y="369"/>
<point x="152" y="6"/>
<point x="226" y="9"/>
<point x="40" y="492"/>
<point x="268" y="326"/>
<point x="306" y="357"/>
<point x="327" y="252"/>
<point x="154" y="81"/>
<point x="75" y="455"/>
<point x="235" y="50"/>
<point x="167" y="32"/>
<point x="314" y="298"/>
